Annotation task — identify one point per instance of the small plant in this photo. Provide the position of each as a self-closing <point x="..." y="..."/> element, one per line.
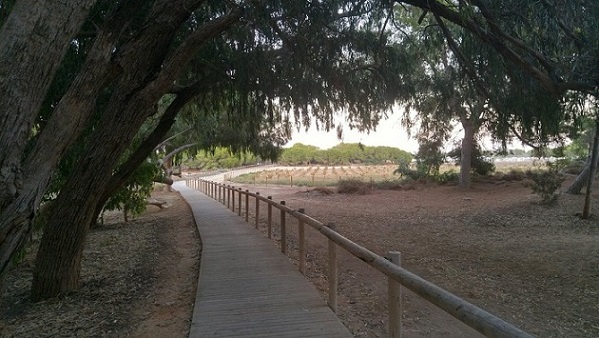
<point x="547" y="183"/>
<point x="447" y="177"/>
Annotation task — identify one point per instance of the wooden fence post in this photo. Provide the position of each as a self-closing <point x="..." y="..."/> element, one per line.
<point x="257" y="208"/>
<point x="394" y="298"/>
<point x="247" y="206"/>
<point x="332" y="272"/>
<point x="302" y="244"/>
<point x="228" y="197"/>
<point x="269" y="218"/>
<point x="239" y="200"/>
<point x="283" y="231"/>
<point x="232" y="191"/>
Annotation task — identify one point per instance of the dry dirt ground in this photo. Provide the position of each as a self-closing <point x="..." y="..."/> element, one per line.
<point x="533" y="265"/>
<point x="139" y="279"/>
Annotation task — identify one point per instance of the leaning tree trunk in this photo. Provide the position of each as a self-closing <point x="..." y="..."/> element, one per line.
<point x="33" y="42"/>
<point x="466" y="154"/>
<point x="59" y="257"/>
<point x="581" y="180"/>
<point x="586" y="212"/>
<point x="60" y="132"/>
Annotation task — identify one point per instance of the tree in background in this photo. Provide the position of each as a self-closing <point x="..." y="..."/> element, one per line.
<point x="551" y="43"/>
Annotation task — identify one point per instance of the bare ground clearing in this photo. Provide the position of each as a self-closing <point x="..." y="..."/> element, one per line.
<point x="535" y="266"/>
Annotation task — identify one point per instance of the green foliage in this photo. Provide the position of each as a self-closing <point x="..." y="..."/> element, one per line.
<point x="447" y="177"/>
<point x="221" y="158"/>
<point x="132" y="197"/>
<point x="546" y="184"/>
<point x="430" y="156"/>
<point x="341" y="154"/>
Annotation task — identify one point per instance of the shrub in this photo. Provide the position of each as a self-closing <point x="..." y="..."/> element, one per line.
<point x="447" y="177"/>
<point x="547" y="183"/>
<point x="353" y="186"/>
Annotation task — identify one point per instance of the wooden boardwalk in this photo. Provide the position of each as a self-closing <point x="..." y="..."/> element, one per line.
<point x="247" y="288"/>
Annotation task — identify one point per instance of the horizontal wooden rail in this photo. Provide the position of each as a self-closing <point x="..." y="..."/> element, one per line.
<point x="468" y="313"/>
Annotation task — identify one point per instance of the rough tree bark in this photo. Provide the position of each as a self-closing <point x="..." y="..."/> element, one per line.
<point x="33" y="42"/>
<point x="61" y="131"/>
<point x="146" y="79"/>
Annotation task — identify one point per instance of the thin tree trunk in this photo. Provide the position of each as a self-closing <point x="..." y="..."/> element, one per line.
<point x="586" y="212"/>
<point x="466" y="154"/>
<point x="153" y="140"/>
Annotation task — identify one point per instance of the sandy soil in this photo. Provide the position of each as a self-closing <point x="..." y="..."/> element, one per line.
<point x="533" y="265"/>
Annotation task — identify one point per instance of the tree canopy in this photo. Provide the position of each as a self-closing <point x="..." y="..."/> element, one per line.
<point x="107" y="81"/>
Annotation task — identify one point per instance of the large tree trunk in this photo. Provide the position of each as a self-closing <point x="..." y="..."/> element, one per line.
<point x="61" y="131"/>
<point x="59" y="257"/>
<point x="466" y="155"/>
<point x="33" y="42"/>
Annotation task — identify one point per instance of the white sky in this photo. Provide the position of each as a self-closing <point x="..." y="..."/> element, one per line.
<point x="389" y="132"/>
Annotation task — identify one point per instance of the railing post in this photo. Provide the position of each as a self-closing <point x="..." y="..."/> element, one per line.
<point x="302" y="244"/>
<point x="247" y="206"/>
<point x="269" y="218"/>
<point x="228" y="197"/>
<point x="239" y="200"/>
<point x="232" y="189"/>
<point x="283" y="231"/>
<point x="332" y="272"/>
<point x="394" y="298"/>
<point x="257" y="209"/>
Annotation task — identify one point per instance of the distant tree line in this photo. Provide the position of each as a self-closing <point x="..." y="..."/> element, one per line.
<point x="344" y="153"/>
<point x="221" y="158"/>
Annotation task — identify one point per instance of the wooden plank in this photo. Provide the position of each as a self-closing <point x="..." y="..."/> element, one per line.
<point x="246" y="286"/>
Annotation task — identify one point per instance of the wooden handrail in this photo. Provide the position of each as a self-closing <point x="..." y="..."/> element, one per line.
<point x="466" y="312"/>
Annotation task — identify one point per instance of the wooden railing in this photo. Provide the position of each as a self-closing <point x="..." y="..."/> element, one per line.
<point x="473" y="316"/>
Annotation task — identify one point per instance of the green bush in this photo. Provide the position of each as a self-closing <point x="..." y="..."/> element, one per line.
<point x="447" y="177"/>
<point x="547" y="183"/>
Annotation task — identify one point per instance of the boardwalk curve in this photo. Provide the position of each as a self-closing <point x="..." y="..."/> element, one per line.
<point x="247" y="288"/>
